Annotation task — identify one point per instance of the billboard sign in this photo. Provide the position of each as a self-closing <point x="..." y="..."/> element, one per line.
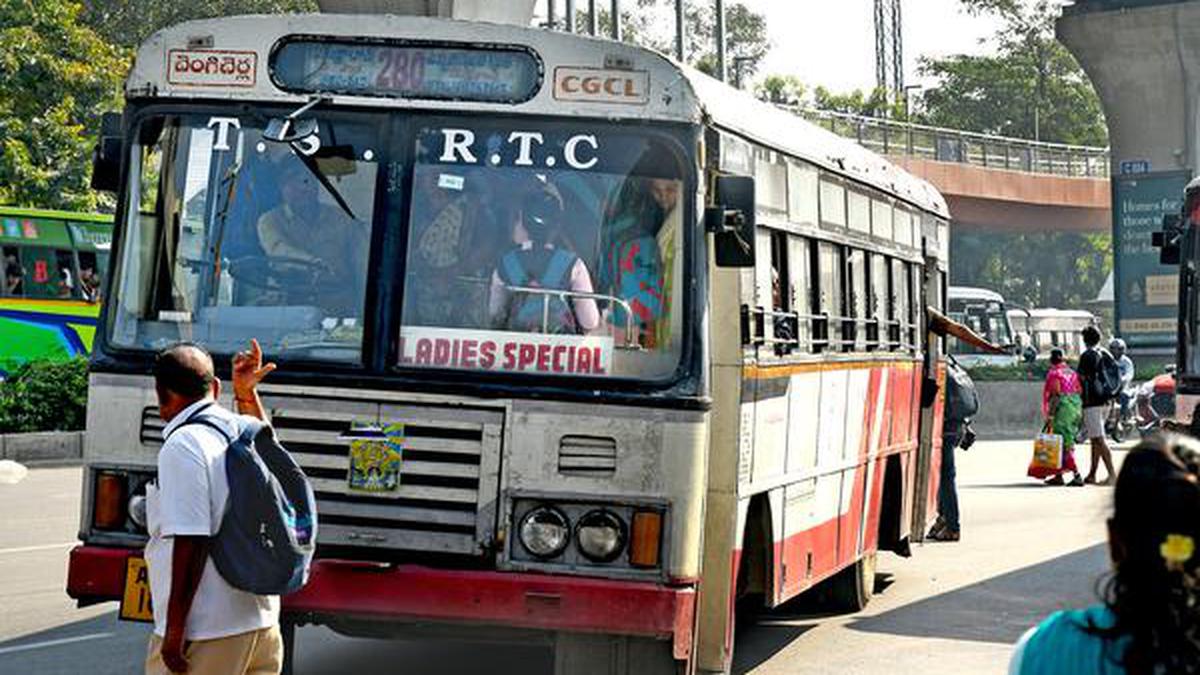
<point x="1147" y="293"/>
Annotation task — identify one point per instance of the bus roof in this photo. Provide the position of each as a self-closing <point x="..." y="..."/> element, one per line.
<point x="188" y="60"/>
<point x="59" y="229"/>
<point x="973" y="293"/>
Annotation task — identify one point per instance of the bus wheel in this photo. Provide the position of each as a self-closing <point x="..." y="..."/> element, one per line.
<point x="851" y="589"/>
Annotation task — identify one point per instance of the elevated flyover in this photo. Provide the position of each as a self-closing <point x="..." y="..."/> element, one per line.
<point x="990" y="182"/>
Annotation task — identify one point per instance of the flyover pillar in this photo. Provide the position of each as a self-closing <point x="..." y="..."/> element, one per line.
<point x="1143" y="57"/>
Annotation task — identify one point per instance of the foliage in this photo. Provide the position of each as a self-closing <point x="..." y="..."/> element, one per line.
<point x="56" y="77"/>
<point x="877" y="103"/>
<point x="45" y="396"/>
<point x="129" y="22"/>
<point x="1031" y="88"/>
<point x="1022" y="372"/>
<point x="651" y="23"/>
<point x="1043" y="269"/>
<point x="781" y="90"/>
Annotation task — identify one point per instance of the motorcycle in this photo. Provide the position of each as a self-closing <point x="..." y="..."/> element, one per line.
<point x="1156" y="402"/>
<point x="1122" y="418"/>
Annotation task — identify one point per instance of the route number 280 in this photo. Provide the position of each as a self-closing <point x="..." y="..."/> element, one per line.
<point x="402" y="69"/>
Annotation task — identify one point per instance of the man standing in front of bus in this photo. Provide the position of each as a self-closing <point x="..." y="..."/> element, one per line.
<point x="201" y="623"/>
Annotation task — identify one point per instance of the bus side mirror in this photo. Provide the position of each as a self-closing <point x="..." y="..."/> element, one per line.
<point x="1168" y="241"/>
<point x="106" y="158"/>
<point x="731" y="220"/>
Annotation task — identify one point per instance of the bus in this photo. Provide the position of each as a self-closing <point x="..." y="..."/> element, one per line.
<point x="1040" y="330"/>
<point x="986" y="313"/>
<point x="733" y="398"/>
<point x="1179" y="244"/>
<point x="54" y="264"/>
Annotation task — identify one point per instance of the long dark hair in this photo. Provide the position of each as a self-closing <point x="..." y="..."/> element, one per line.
<point x="1154" y="590"/>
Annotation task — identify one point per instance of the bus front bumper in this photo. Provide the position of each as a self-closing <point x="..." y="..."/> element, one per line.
<point x="470" y="597"/>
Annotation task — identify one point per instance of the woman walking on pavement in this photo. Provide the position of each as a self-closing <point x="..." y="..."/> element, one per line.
<point x="1062" y="409"/>
<point x="1149" y="619"/>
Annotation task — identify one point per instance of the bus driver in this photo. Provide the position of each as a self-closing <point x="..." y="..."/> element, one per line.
<point x="316" y="252"/>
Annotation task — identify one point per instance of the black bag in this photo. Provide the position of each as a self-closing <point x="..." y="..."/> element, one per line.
<point x="1105" y="380"/>
<point x="962" y="398"/>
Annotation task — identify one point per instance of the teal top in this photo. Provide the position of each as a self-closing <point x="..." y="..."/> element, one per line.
<point x="1062" y="645"/>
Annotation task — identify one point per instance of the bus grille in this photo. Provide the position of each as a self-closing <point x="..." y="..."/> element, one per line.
<point x="449" y="473"/>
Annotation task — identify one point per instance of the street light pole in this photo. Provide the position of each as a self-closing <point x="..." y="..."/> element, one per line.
<point x="722" y="75"/>
<point x="591" y="18"/>
<point x="570" y="16"/>
<point x="680" y="31"/>
<point x="616" y="20"/>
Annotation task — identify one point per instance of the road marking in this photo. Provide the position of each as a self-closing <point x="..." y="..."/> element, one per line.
<point x="54" y="643"/>
<point x="29" y="549"/>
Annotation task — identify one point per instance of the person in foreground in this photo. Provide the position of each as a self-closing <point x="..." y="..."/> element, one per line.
<point x="201" y="623"/>
<point x="1149" y="621"/>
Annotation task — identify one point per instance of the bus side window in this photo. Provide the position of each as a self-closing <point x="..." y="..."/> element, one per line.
<point x="14" y="273"/>
<point x="901" y="312"/>
<point x="782" y="297"/>
<point x="828" y="296"/>
<point x="89" y="276"/>
<point x="853" y="333"/>
<point x="880" y="313"/>
<point x="65" y="280"/>
<point x="801" y="271"/>
<point x="42" y="278"/>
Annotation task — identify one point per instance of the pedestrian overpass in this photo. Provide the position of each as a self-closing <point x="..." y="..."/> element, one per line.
<point x="992" y="183"/>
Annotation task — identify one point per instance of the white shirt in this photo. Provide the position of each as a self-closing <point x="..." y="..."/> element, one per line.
<point x="189" y="499"/>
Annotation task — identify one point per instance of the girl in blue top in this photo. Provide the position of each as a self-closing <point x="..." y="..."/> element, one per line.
<point x="1149" y="622"/>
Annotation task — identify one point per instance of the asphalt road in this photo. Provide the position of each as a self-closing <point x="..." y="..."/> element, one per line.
<point x="951" y="608"/>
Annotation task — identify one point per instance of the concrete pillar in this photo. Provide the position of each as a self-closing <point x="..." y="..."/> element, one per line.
<point x="1145" y="64"/>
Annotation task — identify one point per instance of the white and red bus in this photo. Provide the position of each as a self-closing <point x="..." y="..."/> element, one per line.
<point x="730" y="407"/>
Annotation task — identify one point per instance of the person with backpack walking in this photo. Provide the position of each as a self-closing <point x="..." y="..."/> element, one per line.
<point x="1145" y="622"/>
<point x="536" y="263"/>
<point x="202" y="623"/>
<point x="1101" y="379"/>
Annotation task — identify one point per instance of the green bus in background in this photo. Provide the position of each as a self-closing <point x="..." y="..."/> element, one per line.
<point x="53" y="265"/>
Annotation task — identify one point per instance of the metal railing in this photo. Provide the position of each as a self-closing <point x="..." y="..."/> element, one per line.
<point x="891" y="137"/>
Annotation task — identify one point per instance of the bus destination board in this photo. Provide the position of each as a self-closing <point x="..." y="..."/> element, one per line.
<point x="408" y="70"/>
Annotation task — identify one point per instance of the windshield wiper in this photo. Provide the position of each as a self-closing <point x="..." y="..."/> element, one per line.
<point x="294" y="129"/>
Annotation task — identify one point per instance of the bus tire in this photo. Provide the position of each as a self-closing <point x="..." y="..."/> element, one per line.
<point x="851" y="589"/>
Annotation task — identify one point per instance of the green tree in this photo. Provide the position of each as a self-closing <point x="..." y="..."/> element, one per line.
<point x="56" y="77"/>
<point x="129" y="22"/>
<point x="781" y="90"/>
<point x="877" y="103"/>
<point x="746" y="41"/>
<point x="1030" y="88"/>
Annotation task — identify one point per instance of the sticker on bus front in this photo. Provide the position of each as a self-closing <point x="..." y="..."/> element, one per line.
<point x="375" y="460"/>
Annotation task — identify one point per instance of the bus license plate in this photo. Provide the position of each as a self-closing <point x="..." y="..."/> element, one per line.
<point x="135" y="601"/>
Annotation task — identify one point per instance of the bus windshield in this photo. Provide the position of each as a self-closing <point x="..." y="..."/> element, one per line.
<point x="532" y="247"/>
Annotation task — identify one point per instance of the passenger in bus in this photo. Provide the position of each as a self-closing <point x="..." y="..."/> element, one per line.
<point x="14" y="275"/>
<point x="89" y="284"/>
<point x="316" y="253"/>
<point x="66" y="285"/>
<point x="519" y="300"/>
<point x="453" y="248"/>
<point x="640" y="230"/>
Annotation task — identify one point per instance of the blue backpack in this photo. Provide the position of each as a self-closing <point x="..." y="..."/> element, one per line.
<point x="268" y="533"/>
<point x="525" y="312"/>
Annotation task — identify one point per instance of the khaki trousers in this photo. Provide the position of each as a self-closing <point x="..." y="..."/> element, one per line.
<point x="259" y="652"/>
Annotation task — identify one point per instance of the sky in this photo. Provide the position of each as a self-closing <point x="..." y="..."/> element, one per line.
<point x="832" y="42"/>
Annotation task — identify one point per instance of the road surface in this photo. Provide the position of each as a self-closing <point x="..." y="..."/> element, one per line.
<point x="951" y="608"/>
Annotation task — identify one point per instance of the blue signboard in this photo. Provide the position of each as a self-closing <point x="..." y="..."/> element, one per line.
<point x="1131" y="166"/>
<point x="1146" y="293"/>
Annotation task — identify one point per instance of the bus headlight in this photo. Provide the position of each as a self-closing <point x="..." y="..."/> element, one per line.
<point x="137" y="510"/>
<point x="545" y="532"/>
<point x="600" y="536"/>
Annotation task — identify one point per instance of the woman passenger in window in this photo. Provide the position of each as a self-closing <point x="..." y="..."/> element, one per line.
<point x="535" y="263"/>
<point x="640" y="252"/>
